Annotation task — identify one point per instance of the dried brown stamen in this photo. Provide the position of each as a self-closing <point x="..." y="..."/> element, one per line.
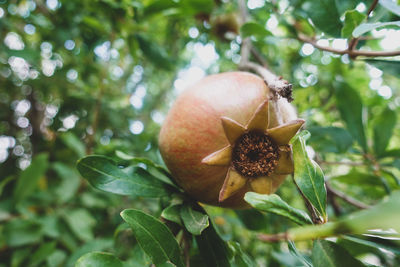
<point x="255" y="154"/>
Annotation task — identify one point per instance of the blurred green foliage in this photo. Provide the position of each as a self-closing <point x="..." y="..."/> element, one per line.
<point x="97" y="77"/>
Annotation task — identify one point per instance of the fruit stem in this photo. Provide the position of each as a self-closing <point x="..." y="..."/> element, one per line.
<point x="277" y="85"/>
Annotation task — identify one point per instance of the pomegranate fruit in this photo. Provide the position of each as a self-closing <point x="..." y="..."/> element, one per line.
<point x="223" y="138"/>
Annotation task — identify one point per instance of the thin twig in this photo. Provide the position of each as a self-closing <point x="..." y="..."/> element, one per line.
<point x="186" y="248"/>
<point x="277" y="85"/>
<point x="257" y="56"/>
<point x="352" y="53"/>
<point x="335" y="205"/>
<point x="353" y="42"/>
<point x="90" y="139"/>
<point x="372" y="7"/>
<point x="273" y="238"/>
<point x="346" y="198"/>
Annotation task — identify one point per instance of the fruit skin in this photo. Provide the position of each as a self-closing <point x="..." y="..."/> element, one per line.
<point x="193" y="130"/>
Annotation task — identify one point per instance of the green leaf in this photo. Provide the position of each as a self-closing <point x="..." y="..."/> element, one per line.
<point x="74" y="143"/>
<point x="329" y="254"/>
<point x="56" y="258"/>
<point x="366" y="27"/>
<point x="42" y="253"/>
<point x="350" y="107"/>
<point x="254" y="29"/>
<point x="105" y="175"/>
<point x="69" y="184"/>
<point x="324" y="15"/>
<point x="154" y="237"/>
<point x="81" y="223"/>
<point x="19" y="232"/>
<point x="274" y="204"/>
<point x="330" y="139"/>
<point x="50" y="225"/>
<point x="5" y="182"/>
<point x="19" y="256"/>
<point x="160" y="172"/>
<point x="383" y="130"/>
<point x="29" y="178"/>
<point x="98" y="259"/>
<point x="293" y="250"/>
<point x="381" y="216"/>
<point x="308" y="175"/>
<point x="391" y="67"/>
<point x="359" y="240"/>
<point x="158" y="6"/>
<point x="146" y="161"/>
<point x="392" y="176"/>
<point x="352" y="19"/>
<point x="252" y="219"/>
<point x="345" y="5"/>
<point x="391" y="6"/>
<point x="360" y="184"/>
<point x="167" y="264"/>
<point x="213" y="249"/>
<point x="392" y="153"/>
<point x="154" y="52"/>
<point x="173" y="213"/>
<point x="98" y="244"/>
<point x="241" y="259"/>
<point x="195" y="222"/>
<point x="197" y="6"/>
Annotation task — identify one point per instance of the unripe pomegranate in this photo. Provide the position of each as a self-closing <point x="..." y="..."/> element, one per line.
<point x="223" y="138"/>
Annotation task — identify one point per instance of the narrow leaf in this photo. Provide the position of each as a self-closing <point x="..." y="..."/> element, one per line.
<point x="329" y="254"/>
<point x="241" y="259"/>
<point x="29" y="178"/>
<point x="391" y="6"/>
<point x="293" y="250"/>
<point x="274" y="204"/>
<point x="308" y="175"/>
<point x="173" y="213"/>
<point x="154" y="52"/>
<point x="383" y="130"/>
<point x="395" y="153"/>
<point x="330" y="139"/>
<point x="81" y="223"/>
<point x="213" y="249"/>
<point x="162" y="173"/>
<point x="366" y="27"/>
<point x="42" y="253"/>
<point x="146" y="161"/>
<point x="350" y="107"/>
<point x="70" y="181"/>
<point x="74" y="143"/>
<point x="105" y="175"/>
<point x="254" y="29"/>
<point x="380" y="244"/>
<point x="19" y="232"/>
<point x="194" y="221"/>
<point x="98" y="259"/>
<point x="252" y="219"/>
<point x="324" y="15"/>
<point x="154" y="237"/>
<point x="380" y="216"/>
<point x="351" y="20"/>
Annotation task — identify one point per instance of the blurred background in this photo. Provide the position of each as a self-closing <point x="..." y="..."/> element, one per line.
<point x="95" y="77"/>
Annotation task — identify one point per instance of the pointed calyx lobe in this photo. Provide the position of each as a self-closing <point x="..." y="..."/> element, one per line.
<point x="255" y="152"/>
